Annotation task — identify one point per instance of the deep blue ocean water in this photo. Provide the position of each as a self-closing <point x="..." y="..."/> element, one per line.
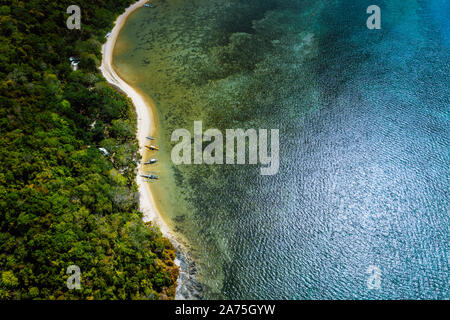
<point x="364" y="179"/>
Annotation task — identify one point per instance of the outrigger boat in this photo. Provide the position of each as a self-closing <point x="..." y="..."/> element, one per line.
<point x="149" y="177"/>
<point x="151" y="161"/>
<point x="150" y="138"/>
<point x="152" y="147"/>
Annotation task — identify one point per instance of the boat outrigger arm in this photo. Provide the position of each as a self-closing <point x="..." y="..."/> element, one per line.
<point x="152" y="147"/>
<point x="151" y="161"/>
<point x="149" y="177"/>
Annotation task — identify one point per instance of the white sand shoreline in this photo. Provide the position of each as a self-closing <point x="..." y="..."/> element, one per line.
<point x="145" y="117"/>
<point x="145" y="127"/>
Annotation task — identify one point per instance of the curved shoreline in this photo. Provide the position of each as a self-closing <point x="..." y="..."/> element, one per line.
<point x="145" y="110"/>
<point x="144" y="113"/>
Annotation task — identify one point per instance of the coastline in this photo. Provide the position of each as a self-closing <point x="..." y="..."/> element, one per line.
<point x="146" y="124"/>
<point x="144" y="113"/>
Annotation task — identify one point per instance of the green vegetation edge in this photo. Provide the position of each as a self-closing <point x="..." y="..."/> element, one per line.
<point x="62" y="200"/>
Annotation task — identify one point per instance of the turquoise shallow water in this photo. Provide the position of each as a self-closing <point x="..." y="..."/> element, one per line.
<point x="364" y="143"/>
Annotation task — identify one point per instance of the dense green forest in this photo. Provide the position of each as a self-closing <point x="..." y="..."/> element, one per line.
<point x="62" y="201"/>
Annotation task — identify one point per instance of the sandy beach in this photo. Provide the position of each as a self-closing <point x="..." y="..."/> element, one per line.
<point x="145" y="116"/>
<point x="145" y="109"/>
